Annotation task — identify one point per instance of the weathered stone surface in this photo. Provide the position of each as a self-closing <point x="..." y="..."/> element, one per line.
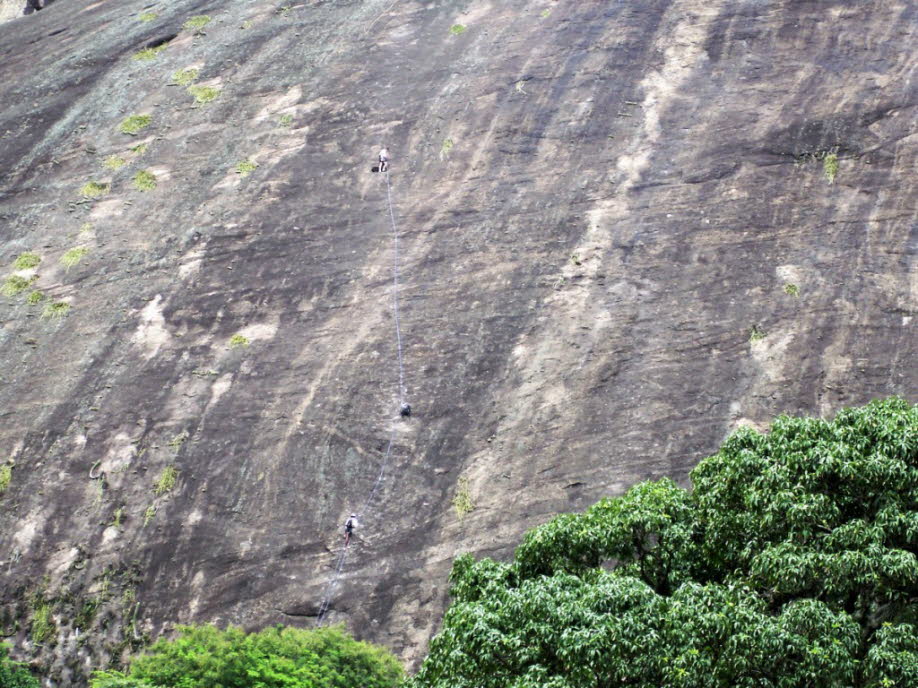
<point x="598" y="202"/>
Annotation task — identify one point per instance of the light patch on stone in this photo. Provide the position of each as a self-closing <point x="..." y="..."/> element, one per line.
<point x="769" y="353"/>
<point x="102" y="210"/>
<point x="282" y="103"/>
<point x="258" y="331"/>
<point x="25" y="531"/>
<point x="194" y="518"/>
<point x="151" y="334"/>
<point x="191" y="264"/>
<point x="120" y="453"/>
<point x="109" y="535"/>
<point x="60" y="561"/>
<point x="791" y="274"/>
<point x="220" y="387"/>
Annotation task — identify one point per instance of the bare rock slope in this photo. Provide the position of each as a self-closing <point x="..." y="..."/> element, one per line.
<point x="624" y="229"/>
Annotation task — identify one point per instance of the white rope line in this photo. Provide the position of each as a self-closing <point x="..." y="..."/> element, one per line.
<point x="342" y="557"/>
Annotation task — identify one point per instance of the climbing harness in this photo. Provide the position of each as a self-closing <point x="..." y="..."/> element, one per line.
<point x="404" y="410"/>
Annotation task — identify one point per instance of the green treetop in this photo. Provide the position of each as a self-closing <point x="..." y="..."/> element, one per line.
<point x="792" y="563"/>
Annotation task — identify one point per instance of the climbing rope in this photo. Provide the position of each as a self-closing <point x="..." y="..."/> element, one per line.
<point x="387" y="455"/>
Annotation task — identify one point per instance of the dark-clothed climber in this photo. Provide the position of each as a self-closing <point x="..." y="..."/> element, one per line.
<point x="349" y="526"/>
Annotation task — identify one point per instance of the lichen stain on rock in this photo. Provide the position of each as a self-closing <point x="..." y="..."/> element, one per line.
<point x="152" y="334"/>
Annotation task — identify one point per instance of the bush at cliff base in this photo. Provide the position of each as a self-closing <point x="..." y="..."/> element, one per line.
<point x="792" y="563"/>
<point x="14" y="674"/>
<point x="207" y="657"/>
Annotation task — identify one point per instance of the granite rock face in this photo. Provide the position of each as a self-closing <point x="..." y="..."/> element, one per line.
<point x="624" y="229"/>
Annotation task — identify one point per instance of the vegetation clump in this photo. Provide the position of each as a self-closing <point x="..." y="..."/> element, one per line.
<point x="148" y="16"/>
<point x="791" y="562"/>
<point x="184" y="77"/>
<point x="114" y="162"/>
<point x="462" y="501"/>
<point x="14" y="674"/>
<point x="56" y="310"/>
<point x="6" y="476"/>
<point x="134" y="124"/>
<point x="238" y="341"/>
<point x="245" y="167"/>
<point x="278" y="657"/>
<point x="457" y="29"/>
<point x="94" y="189"/>
<point x="830" y="166"/>
<point x="166" y="480"/>
<point x="16" y="284"/>
<point x="26" y="261"/>
<point x="73" y="256"/>
<point x="791" y="289"/>
<point x="35" y="297"/>
<point x="756" y="334"/>
<point x="285" y="120"/>
<point x="196" y="24"/>
<point x="144" y="180"/>
<point x="148" y="54"/>
<point x="203" y="94"/>
<point x="42" y="625"/>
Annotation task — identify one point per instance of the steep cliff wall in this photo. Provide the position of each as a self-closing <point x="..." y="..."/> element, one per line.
<point x="625" y="228"/>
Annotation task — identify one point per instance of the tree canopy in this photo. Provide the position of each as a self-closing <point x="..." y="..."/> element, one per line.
<point x="207" y="657"/>
<point x="14" y="674"/>
<point x="793" y="562"/>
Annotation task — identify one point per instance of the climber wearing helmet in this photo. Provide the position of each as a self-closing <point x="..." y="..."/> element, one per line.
<point x="384" y="159"/>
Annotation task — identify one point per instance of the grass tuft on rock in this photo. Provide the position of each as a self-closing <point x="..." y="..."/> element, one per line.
<point x="166" y="480"/>
<point x="457" y="29"/>
<point x="74" y="256"/>
<point x="830" y="166"/>
<point x="147" y="17"/>
<point x="16" y="284"/>
<point x="114" y="162"/>
<point x="35" y="298"/>
<point x="285" y="120"/>
<point x="791" y="289"/>
<point x="185" y="77"/>
<point x="94" y="189"/>
<point x="26" y="261"/>
<point x="245" y="167"/>
<point x="144" y="180"/>
<point x="756" y="334"/>
<point x="134" y="124"/>
<point x="6" y="475"/>
<point x="149" y="54"/>
<point x="203" y="94"/>
<point x="196" y="24"/>
<point x="56" y="310"/>
<point x="238" y="341"/>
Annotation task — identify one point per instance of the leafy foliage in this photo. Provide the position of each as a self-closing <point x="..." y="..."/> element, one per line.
<point x="14" y="674"/>
<point x="94" y="189"/>
<point x="26" y="261"/>
<point x="133" y="124"/>
<point x="203" y="94"/>
<point x="144" y="180"/>
<point x="206" y="657"/>
<point x="792" y="562"/>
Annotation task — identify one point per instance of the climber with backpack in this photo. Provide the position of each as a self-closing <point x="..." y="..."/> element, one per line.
<point x="384" y="159"/>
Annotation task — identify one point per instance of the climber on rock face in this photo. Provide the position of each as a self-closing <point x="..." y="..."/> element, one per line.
<point x="349" y="526"/>
<point x="384" y="159"/>
<point x="405" y="410"/>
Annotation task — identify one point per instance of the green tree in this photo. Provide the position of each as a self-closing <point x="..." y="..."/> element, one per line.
<point x="14" y="674"/>
<point x="793" y="562"/>
<point x="207" y="657"/>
